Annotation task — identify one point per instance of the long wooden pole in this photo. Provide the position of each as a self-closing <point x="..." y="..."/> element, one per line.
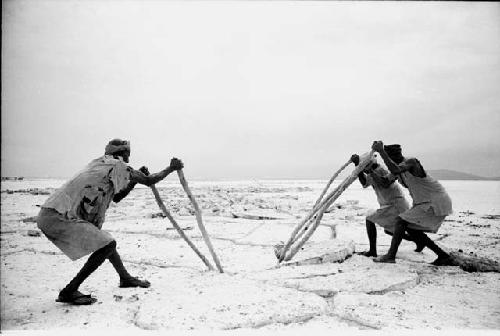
<point x="295" y="248"/>
<point x="309" y="217"/>
<point x="296" y="236"/>
<point x="178" y="228"/>
<point x="199" y="220"/>
<point x="319" y="214"/>
<point x="324" y="205"/>
<point x="330" y="182"/>
<point x="296" y="232"/>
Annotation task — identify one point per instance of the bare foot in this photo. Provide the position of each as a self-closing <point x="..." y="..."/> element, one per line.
<point x="368" y="253"/>
<point x="75" y="298"/>
<point x="134" y="282"/>
<point x="420" y="247"/>
<point x="385" y="259"/>
<point x="445" y="261"/>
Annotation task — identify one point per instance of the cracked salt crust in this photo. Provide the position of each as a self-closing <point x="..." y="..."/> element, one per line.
<point x="253" y="293"/>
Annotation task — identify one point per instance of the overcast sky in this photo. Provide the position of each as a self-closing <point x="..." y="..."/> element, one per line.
<point x="243" y="90"/>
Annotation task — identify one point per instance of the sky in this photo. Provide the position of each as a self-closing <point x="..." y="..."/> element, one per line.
<point x="251" y="89"/>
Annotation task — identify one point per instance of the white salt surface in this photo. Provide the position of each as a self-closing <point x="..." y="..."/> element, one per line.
<point x="252" y="293"/>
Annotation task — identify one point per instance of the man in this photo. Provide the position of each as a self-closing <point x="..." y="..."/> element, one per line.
<point x="390" y="198"/>
<point x="431" y="203"/>
<point x="73" y="215"/>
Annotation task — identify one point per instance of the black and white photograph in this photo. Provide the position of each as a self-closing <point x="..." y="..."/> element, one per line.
<point x="264" y="167"/>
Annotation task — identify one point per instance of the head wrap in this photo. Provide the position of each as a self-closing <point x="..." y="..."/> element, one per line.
<point x="393" y="150"/>
<point x="117" y="146"/>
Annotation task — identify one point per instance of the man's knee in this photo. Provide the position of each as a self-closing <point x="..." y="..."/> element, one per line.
<point x="369" y="223"/>
<point x="416" y="233"/>
<point x="104" y="251"/>
<point x="108" y="249"/>
<point x="401" y="222"/>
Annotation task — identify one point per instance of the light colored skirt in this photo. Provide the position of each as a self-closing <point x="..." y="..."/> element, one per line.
<point x="74" y="237"/>
<point x="387" y="215"/>
<point x="423" y="217"/>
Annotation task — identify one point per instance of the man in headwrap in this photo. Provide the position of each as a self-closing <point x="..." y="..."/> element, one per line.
<point x="390" y="198"/>
<point x="73" y="215"/>
<point x="431" y="203"/>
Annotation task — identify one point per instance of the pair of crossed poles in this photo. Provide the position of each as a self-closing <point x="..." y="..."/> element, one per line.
<point x="197" y="212"/>
<point x="302" y="232"/>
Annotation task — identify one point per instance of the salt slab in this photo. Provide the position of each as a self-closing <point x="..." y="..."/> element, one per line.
<point x="220" y="301"/>
<point x="328" y="251"/>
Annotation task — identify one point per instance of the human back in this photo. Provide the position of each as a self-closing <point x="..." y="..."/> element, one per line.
<point x="87" y="195"/>
<point x="426" y="190"/>
<point x="386" y="195"/>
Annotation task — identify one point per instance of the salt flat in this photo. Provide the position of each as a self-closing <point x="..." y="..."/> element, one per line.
<point x="253" y="292"/>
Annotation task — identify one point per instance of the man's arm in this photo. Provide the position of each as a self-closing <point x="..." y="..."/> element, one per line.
<point x="394" y="168"/>
<point x="148" y="180"/>
<point x="124" y="192"/>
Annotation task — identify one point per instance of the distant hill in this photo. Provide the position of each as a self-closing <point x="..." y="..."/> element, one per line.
<point x="444" y="174"/>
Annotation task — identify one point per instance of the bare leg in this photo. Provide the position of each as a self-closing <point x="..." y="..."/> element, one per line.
<point x="95" y="260"/>
<point x="399" y="231"/>
<point x="420" y="244"/>
<point x="405" y="236"/>
<point x="371" y="230"/>
<point x="417" y="239"/>
<point x="126" y="280"/>
<point x="443" y="259"/>
<point x="116" y="261"/>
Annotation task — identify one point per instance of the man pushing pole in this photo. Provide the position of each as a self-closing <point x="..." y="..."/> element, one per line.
<point x="391" y="200"/>
<point x="73" y="215"/>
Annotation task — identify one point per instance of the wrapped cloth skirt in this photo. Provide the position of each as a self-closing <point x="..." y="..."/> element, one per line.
<point x="423" y="217"/>
<point x="387" y="215"/>
<point x="74" y="237"/>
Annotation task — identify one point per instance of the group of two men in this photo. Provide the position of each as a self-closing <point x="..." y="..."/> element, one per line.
<point x="431" y="203"/>
<point x="73" y="215"/>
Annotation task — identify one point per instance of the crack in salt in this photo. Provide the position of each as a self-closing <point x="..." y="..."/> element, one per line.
<point x="134" y="320"/>
<point x="442" y="237"/>
<point x="262" y="324"/>
<point x="155" y="234"/>
<point x="301" y="319"/>
<point x="351" y="319"/>
<point x="32" y="250"/>
<point x="234" y="241"/>
<point x="173" y="237"/>
<point x="409" y="284"/>
<point x="314" y="276"/>
<point x="150" y="263"/>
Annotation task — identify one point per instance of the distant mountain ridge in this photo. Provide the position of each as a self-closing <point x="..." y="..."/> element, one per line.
<point x="445" y="174"/>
